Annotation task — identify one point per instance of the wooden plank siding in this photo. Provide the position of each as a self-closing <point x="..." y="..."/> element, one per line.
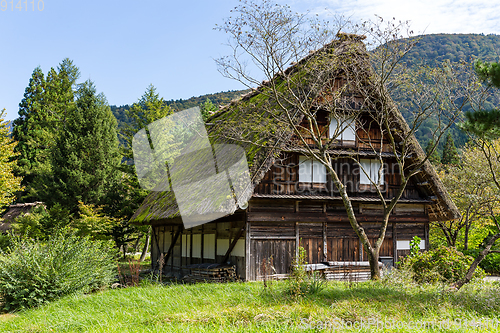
<point x="276" y="228"/>
<point x="283" y="179"/>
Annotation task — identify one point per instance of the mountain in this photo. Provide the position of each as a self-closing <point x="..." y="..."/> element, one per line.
<point x="435" y="48"/>
<point x="430" y="50"/>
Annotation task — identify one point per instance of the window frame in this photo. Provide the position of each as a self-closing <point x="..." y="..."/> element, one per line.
<point x="317" y="171"/>
<point x="347" y="127"/>
<point x="371" y="166"/>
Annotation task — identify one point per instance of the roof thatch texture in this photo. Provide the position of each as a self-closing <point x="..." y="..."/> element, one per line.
<point x="256" y="123"/>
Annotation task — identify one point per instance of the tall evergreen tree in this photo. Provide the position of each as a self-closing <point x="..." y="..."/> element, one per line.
<point x="450" y="152"/>
<point x="59" y="90"/>
<point x="434" y="157"/>
<point x="41" y="114"/>
<point x="31" y="133"/>
<point x="85" y="159"/>
<point x="9" y="183"/>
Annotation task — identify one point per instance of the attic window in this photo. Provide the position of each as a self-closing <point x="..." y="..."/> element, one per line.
<point x="370" y="174"/>
<point x="345" y="128"/>
<point x="311" y="171"/>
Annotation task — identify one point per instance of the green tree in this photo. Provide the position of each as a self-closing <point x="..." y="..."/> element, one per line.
<point x="485" y="123"/>
<point x="31" y="132"/>
<point x="9" y="183"/>
<point x="60" y="96"/>
<point x="85" y="158"/>
<point x="432" y="152"/>
<point x="450" y="152"/>
<point x="41" y="114"/>
<point x="207" y="109"/>
<point x="128" y="195"/>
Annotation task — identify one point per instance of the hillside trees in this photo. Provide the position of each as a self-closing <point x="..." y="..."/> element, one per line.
<point x="432" y="152"/>
<point x="9" y="183"/>
<point x="450" y="152"/>
<point x="271" y="37"/>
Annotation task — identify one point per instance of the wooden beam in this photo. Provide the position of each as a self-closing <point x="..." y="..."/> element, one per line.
<point x="153" y="262"/>
<point x="174" y="240"/>
<point x="325" y="243"/>
<point x="322" y="217"/>
<point x="248" y="262"/>
<point x="297" y="240"/>
<point x="232" y="245"/>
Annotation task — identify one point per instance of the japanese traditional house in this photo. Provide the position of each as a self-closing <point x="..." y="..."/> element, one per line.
<point x="293" y="203"/>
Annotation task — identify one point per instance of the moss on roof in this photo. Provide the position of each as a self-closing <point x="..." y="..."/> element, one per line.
<point x="256" y="123"/>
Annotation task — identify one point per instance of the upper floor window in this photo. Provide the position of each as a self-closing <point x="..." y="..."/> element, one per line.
<point x="311" y="171"/>
<point x="370" y="174"/>
<point x="342" y="128"/>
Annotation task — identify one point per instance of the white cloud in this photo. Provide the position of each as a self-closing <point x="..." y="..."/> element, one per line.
<point x="429" y="16"/>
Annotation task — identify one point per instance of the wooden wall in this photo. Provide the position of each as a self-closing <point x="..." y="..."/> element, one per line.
<point x="283" y="178"/>
<point x="276" y="228"/>
<point x="207" y="243"/>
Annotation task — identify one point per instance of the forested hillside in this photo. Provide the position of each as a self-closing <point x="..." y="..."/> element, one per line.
<point x="434" y="49"/>
<point x="454" y="47"/>
<point x="430" y="50"/>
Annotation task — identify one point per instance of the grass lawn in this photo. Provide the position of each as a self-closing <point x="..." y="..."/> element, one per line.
<point x="247" y="307"/>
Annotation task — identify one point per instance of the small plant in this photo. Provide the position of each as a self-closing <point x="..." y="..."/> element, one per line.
<point x="415" y="246"/>
<point x="300" y="282"/>
<point x="267" y="268"/>
<point x="131" y="279"/>
<point x="33" y="273"/>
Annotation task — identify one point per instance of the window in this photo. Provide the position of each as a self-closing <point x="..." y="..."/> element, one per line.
<point x="345" y="127"/>
<point x="371" y="168"/>
<point x="311" y="171"/>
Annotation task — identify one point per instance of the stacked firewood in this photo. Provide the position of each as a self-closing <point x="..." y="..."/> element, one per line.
<point x="211" y="273"/>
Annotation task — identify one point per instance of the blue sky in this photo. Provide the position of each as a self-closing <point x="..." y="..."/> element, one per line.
<point x="123" y="46"/>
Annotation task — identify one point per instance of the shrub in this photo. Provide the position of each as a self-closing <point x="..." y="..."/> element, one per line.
<point x="33" y="273"/>
<point x="440" y="265"/>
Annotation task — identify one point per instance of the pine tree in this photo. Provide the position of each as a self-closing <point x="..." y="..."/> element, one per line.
<point x="434" y="157"/>
<point x="207" y="109"/>
<point x="41" y="114"/>
<point x="85" y="159"/>
<point x="9" y="183"/>
<point x="450" y="152"/>
<point x="485" y="123"/>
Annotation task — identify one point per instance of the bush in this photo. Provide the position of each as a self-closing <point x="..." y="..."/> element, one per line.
<point x="33" y="273"/>
<point x="443" y="264"/>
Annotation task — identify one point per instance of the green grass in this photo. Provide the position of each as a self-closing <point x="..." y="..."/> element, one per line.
<point x="247" y="307"/>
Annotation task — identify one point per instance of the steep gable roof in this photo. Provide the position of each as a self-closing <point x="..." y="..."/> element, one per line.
<point x="248" y="122"/>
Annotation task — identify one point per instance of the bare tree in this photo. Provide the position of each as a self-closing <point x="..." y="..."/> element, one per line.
<point x="344" y="81"/>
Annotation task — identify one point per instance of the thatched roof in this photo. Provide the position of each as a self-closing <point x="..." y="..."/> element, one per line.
<point x="15" y="211"/>
<point x="263" y="135"/>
